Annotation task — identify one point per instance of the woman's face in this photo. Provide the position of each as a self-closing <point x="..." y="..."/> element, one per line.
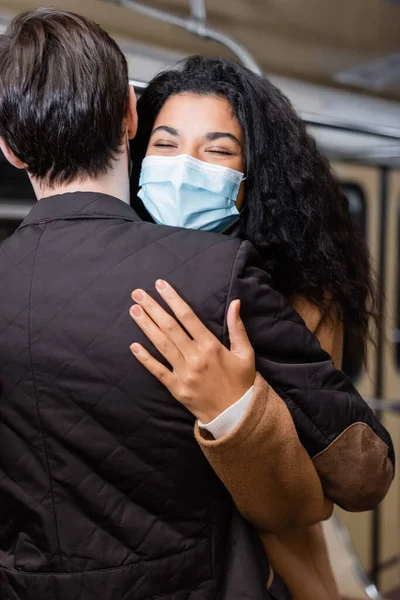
<point x="203" y="127"/>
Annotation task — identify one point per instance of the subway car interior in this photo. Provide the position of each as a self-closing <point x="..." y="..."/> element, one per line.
<point x="338" y="61"/>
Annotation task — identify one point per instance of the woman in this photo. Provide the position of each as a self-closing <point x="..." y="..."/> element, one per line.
<point x="288" y="204"/>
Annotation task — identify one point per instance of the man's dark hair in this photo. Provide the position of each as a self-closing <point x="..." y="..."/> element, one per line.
<point x="63" y="95"/>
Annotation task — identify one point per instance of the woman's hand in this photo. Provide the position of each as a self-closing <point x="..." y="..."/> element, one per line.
<point x="206" y="377"/>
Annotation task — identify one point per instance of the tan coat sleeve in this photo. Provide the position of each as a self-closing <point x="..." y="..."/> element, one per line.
<point x="264" y="455"/>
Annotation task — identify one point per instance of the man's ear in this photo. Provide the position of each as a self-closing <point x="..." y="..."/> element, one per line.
<point x="131" y="116"/>
<point x="10" y="156"/>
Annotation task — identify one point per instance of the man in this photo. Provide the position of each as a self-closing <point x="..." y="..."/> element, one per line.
<point x="103" y="490"/>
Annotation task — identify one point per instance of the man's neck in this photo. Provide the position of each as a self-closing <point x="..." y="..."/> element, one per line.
<point x="115" y="183"/>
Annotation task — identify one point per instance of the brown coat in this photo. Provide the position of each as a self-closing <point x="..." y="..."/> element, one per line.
<point x="281" y="491"/>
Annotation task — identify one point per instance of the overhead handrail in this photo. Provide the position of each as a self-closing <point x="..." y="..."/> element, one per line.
<point x="197" y="25"/>
<point x="14" y="210"/>
<point x="390" y="133"/>
<point x="198" y="10"/>
<point x="381" y="405"/>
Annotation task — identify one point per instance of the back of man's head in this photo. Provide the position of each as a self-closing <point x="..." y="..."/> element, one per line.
<point x="63" y="95"/>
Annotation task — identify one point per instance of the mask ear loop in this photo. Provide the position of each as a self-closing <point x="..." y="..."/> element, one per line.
<point x="241" y="211"/>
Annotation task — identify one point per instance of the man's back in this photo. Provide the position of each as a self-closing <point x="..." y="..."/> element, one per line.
<point x="100" y="470"/>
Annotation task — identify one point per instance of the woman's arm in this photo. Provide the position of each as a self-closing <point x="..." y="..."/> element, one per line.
<point x="245" y="459"/>
<point x="345" y="467"/>
<point x="192" y="388"/>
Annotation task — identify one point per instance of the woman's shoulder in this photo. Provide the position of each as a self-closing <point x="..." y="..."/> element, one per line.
<point x="316" y="316"/>
<point x="325" y="322"/>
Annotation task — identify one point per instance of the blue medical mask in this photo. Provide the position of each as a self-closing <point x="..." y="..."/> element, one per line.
<point x="183" y="191"/>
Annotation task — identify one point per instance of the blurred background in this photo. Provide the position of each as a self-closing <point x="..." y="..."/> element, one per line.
<point x="339" y="63"/>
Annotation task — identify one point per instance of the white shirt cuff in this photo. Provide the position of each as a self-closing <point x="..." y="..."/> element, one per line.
<point x="230" y="418"/>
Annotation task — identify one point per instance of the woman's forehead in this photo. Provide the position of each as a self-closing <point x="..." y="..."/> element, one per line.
<point x="195" y="112"/>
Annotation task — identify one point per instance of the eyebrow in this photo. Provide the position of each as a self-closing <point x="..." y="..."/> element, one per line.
<point x="217" y="135"/>
<point x="210" y="137"/>
<point x="169" y="130"/>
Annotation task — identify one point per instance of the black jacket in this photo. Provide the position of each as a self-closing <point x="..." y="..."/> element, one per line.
<point x="103" y="491"/>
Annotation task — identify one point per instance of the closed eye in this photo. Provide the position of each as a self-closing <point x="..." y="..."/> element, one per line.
<point x="164" y="145"/>
<point x="222" y="152"/>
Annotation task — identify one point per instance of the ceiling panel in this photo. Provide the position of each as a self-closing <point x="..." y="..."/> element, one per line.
<point x="312" y="40"/>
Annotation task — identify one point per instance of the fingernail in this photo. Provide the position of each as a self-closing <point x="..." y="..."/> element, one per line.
<point x="161" y="284"/>
<point x="138" y="295"/>
<point x="136" y="311"/>
<point x="135" y="348"/>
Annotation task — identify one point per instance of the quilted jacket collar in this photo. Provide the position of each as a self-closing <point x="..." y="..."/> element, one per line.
<point x="79" y="205"/>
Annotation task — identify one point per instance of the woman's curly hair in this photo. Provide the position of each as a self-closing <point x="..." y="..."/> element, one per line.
<point x="296" y="213"/>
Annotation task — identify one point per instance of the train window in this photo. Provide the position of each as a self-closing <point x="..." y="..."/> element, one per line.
<point x="357" y="207"/>
<point x="396" y="340"/>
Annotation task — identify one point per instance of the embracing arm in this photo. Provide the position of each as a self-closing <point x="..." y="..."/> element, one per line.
<point x="264" y="454"/>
